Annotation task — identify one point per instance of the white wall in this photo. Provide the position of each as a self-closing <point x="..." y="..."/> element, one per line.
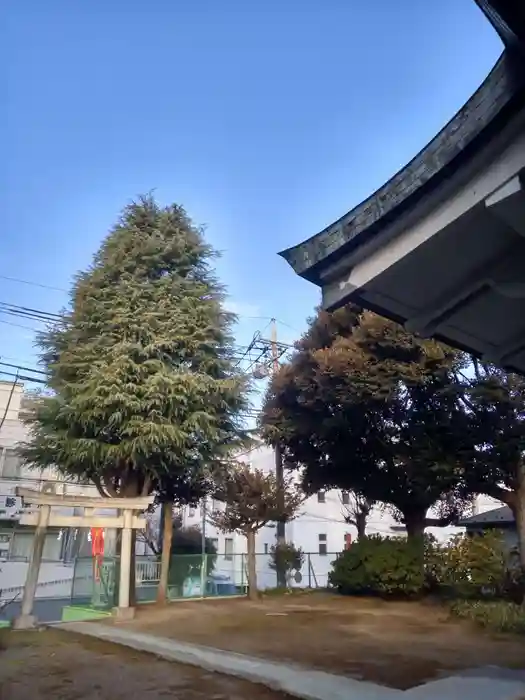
<point x="54" y="580"/>
<point x="10" y="397"/>
<point x="315" y="518"/>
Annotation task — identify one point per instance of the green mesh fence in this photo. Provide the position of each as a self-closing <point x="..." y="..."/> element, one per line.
<point x="190" y="576"/>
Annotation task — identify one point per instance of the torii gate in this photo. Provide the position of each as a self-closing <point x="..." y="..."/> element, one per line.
<point x="126" y="521"/>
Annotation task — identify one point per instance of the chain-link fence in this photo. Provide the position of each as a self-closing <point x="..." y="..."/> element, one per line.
<point x="190" y="576"/>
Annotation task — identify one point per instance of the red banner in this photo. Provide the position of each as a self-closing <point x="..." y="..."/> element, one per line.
<point x="97" y="541"/>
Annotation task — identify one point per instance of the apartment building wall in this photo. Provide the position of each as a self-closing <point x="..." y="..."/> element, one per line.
<point x="320" y="526"/>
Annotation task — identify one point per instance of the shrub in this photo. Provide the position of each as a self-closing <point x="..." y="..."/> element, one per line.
<point x="470" y="566"/>
<point x="386" y="566"/>
<point x="286" y="557"/>
<point x="186" y="555"/>
<point x="433" y="563"/>
<point x="499" y="615"/>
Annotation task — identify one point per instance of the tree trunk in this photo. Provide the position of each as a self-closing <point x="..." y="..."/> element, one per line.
<point x="415" y="525"/>
<point x="360" y="523"/>
<point x="160" y="538"/>
<point x="252" y="566"/>
<point x="167" y="534"/>
<point x="519" y="515"/>
<point x="515" y="500"/>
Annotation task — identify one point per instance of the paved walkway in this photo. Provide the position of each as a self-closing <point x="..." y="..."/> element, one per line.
<point x="479" y="684"/>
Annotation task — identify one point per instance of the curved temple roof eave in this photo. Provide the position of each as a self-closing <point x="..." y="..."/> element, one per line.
<point x="302" y="257"/>
<point x="460" y="135"/>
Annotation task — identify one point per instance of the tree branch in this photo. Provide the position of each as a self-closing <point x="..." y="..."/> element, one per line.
<point x="99" y="487"/>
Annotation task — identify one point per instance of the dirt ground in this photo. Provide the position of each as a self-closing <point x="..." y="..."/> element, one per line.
<point x="61" y="666"/>
<point x="396" y="644"/>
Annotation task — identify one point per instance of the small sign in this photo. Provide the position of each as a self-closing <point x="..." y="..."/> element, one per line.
<point x="9" y="502"/>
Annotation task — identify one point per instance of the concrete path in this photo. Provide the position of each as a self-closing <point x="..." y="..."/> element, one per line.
<point x="479" y="684"/>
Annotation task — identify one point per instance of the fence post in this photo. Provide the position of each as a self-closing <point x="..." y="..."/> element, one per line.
<point x="73" y="580"/>
<point x="309" y="571"/>
<point x="203" y="575"/>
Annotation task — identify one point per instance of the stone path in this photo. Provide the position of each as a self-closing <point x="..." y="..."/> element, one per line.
<point x="478" y="684"/>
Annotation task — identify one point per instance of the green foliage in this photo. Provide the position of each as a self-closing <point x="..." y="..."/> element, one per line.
<point x="146" y="396"/>
<point x="287" y="558"/>
<point x="500" y="615"/>
<point x="496" y="400"/>
<point x="375" y="565"/>
<point x="471" y="565"/>
<point x="367" y="407"/>
<point x="474" y="566"/>
<point x="186" y="555"/>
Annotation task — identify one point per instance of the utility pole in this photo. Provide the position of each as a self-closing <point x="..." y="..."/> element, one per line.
<point x="279" y="471"/>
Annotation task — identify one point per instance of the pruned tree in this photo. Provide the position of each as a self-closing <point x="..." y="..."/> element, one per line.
<point x="356" y="511"/>
<point x="146" y="395"/>
<point x="252" y="500"/>
<point x="365" y="406"/>
<point x="286" y="557"/>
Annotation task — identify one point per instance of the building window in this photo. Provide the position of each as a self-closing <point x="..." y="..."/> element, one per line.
<point x="266" y="547"/>
<point x="11" y="464"/>
<point x="214" y="541"/>
<point x="228" y="548"/>
<point x="345" y="497"/>
<point x="321" y="497"/>
<point x="323" y="547"/>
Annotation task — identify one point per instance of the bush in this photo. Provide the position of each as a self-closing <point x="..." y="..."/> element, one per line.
<point x="186" y="555"/>
<point x="469" y="566"/>
<point x="499" y="615"/>
<point x="375" y="565"/>
<point x="286" y="557"/>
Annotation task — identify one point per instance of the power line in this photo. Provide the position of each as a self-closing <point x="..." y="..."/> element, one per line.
<point x="34" y="284"/>
<point x="61" y="289"/>
<point x="283" y="323"/>
<point x="248" y="348"/>
<point x="26" y="369"/>
<point x="19" y="325"/>
<point x="23" y="377"/>
<point x="15" y="309"/>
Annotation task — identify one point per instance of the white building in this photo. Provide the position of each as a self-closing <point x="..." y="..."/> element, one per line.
<point x="16" y="541"/>
<point x="320" y="530"/>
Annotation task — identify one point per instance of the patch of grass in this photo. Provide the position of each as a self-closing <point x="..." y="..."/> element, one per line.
<point x="498" y="615"/>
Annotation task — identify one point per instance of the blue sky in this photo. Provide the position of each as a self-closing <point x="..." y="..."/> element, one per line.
<point x="266" y="120"/>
